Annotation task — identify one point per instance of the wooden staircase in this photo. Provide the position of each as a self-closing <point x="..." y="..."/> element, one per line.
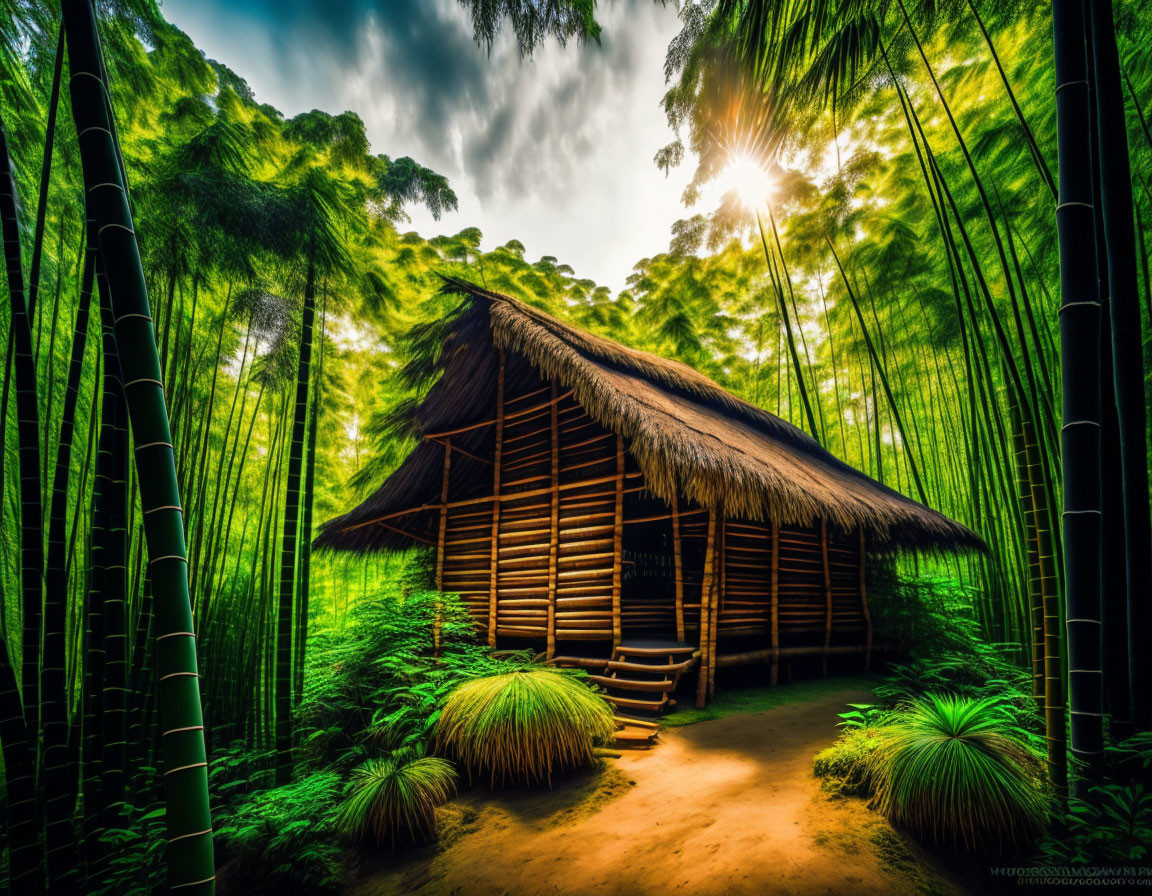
<point x="638" y="680"/>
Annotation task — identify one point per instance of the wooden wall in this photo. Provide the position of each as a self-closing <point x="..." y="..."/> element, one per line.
<point x="564" y="498"/>
<point x="576" y="549"/>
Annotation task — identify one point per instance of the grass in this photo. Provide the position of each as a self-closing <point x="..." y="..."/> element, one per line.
<point x="960" y="772"/>
<point x="732" y="701"/>
<point x="396" y="796"/>
<point x="525" y="725"/>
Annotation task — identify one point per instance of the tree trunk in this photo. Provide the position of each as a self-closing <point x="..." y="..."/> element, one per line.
<point x="1080" y="357"/>
<point x="57" y="807"/>
<point x="287" y="602"/>
<point x="1127" y="356"/>
<point x="28" y="445"/>
<point x="190" y="857"/>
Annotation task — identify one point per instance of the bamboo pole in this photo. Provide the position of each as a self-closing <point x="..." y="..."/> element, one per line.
<point x="518" y="496"/>
<point x="618" y="541"/>
<point x="759" y="656"/>
<point x="716" y="602"/>
<point x="774" y="601"/>
<point x="678" y="560"/>
<point x="827" y="594"/>
<point x="437" y="618"/>
<point x="495" y="543"/>
<point x="864" y="600"/>
<point x="499" y="418"/>
<point x="705" y="612"/>
<point x="554" y="531"/>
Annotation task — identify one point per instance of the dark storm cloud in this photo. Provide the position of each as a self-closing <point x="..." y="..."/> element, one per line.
<point x="411" y="69"/>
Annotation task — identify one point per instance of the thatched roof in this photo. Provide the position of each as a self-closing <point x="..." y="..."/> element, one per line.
<point x="689" y="437"/>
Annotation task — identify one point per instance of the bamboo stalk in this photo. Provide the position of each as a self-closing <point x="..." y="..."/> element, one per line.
<point x="437" y="619"/>
<point x="705" y="599"/>
<point x="864" y="599"/>
<point x="499" y="419"/>
<point x="827" y="594"/>
<point x="716" y="601"/>
<point x="484" y="499"/>
<point x="774" y="599"/>
<point x="618" y="541"/>
<point x="678" y="560"/>
<point x="775" y="654"/>
<point x="460" y="450"/>
<point x="495" y="543"/>
<point x="554" y="535"/>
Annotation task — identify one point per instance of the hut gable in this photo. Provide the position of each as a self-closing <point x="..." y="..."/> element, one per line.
<point x="690" y="439"/>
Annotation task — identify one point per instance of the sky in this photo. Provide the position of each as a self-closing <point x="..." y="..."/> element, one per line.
<point x="555" y="151"/>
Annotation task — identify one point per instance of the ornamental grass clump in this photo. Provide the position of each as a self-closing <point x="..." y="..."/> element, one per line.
<point x="396" y="797"/>
<point x="960" y="772"/>
<point x="845" y="765"/>
<point x="522" y="726"/>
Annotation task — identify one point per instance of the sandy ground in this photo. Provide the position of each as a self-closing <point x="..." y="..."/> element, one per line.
<point x="728" y="806"/>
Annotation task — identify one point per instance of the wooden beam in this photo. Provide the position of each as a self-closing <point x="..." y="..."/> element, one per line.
<point x="495" y="543"/>
<point x="443" y="529"/>
<point x="760" y="656"/>
<point x="774" y="600"/>
<point x="717" y="603"/>
<point x="554" y="527"/>
<point x="516" y="496"/>
<point x="460" y="450"/>
<point x="405" y="533"/>
<point x="437" y="613"/>
<point x="499" y="419"/>
<point x="678" y="561"/>
<point x="864" y="599"/>
<point x="827" y="593"/>
<point x="705" y="611"/>
<point x="618" y="541"/>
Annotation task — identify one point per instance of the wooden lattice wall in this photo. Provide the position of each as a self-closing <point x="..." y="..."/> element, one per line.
<point x="565" y="544"/>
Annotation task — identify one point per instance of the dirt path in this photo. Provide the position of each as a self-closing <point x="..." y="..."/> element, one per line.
<point x="721" y="807"/>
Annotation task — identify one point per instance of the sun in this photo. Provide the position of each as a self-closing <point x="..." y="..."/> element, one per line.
<point x="749" y="179"/>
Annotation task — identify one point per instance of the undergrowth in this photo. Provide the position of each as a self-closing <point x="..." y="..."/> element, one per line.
<point x="952" y="749"/>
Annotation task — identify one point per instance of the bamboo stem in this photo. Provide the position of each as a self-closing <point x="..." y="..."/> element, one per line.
<point x="827" y="594"/>
<point x="716" y="601"/>
<point x="774" y="601"/>
<point x="495" y="543"/>
<point x="678" y="560"/>
<point x="705" y="599"/>
<point x="618" y="541"/>
<point x="517" y="496"/>
<point x="554" y="533"/>
<point x="437" y="619"/>
<point x="864" y="600"/>
<point x="499" y="418"/>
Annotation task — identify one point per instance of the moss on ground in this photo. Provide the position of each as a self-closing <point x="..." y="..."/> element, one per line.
<point x="731" y="701"/>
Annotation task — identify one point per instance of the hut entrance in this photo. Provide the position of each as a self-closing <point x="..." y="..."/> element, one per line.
<point x="648" y="575"/>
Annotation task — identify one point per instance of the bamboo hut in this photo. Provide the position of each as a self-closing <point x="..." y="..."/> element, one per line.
<point x="579" y="493"/>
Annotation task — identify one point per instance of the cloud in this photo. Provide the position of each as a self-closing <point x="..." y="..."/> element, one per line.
<point x="539" y="144"/>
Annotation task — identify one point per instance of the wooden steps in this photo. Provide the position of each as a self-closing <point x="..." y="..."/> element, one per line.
<point x="639" y="680"/>
<point x="664" y="684"/>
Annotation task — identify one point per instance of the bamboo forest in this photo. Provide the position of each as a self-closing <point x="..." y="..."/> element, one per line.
<point x="566" y="447"/>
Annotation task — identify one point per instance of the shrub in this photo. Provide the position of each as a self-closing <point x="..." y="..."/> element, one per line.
<point x="845" y="764"/>
<point x="397" y="795"/>
<point x="960" y="772"/>
<point x="376" y="684"/>
<point x="283" y="840"/>
<point x="134" y="856"/>
<point x="524" y="725"/>
<point x="1115" y="824"/>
